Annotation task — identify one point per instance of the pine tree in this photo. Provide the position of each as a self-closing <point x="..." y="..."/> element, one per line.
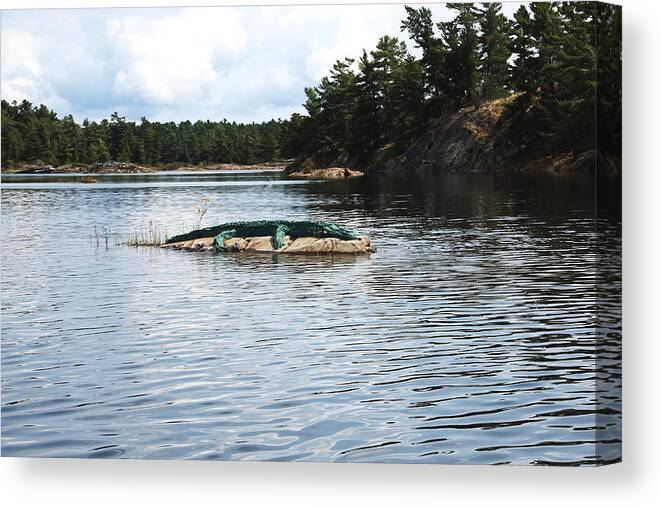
<point x="523" y="48"/>
<point x="495" y="51"/>
<point x="12" y="144"/>
<point x="170" y="151"/>
<point x="420" y="26"/>
<point x="537" y="42"/>
<point x="408" y="116"/>
<point x="367" y="120"/>
<point x="297" y="136"/>
<point x="313" y="107"/>
<point x="576" y="88"/>
<point x="118" y="141"/>
<point x="46" y="145"/>
<point x="608" y="45"/>
<point x="68" y="140"/>
<point x="462" y="58"/>
<point x="28" y="130"/>
<point x="268" y="148"/>
<point x="221" y="152"/>
<point x="336" y="96"/>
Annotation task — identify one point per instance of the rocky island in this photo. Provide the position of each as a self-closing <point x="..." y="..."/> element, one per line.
<point x="274" y="236"/>
<point x="328" y="173"/>
<point x="112" y="167"/>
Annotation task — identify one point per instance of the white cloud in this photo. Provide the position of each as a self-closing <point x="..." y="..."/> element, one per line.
<point x="239" y="63"/>
<point x="346" y="31"/>
<point x="171" y="59"/>
<point x="21" y="69"/>
<point x="18" y="52"/>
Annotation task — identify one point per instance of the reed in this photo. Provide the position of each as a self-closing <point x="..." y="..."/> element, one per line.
<point x="154" y="234"/>
<point x="101" y="236"/>
<point x="201" y="211"/>
<point x="149" y="235"/>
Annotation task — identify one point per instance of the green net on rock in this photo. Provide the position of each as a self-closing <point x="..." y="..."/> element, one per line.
<point x="276" y="229"/>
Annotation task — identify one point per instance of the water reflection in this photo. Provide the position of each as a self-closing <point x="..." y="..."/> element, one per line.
<point x="469" y="337"/>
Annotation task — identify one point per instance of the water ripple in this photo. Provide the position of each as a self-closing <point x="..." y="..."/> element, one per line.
<point x="486" y="329"/>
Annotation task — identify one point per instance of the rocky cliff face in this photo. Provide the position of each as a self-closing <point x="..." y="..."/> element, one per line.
<point x="473" y="140"/>
<point x="465" y="141"/>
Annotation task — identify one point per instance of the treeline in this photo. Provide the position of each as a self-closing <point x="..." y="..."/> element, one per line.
<point x="562" y="59"/>
<point x="558" y="56"/>
<point x="31" y="133"/>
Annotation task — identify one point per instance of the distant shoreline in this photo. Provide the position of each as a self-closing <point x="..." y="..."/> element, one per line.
<point x="134" y="168"/>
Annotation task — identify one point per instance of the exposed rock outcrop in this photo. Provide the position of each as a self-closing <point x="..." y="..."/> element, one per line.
<point x="35" y="168"/>
<point x="301" y="245"/>
<point x="134" y="168"/>
<point x="472" y="139"/>
<point x="329" y="173"/>
<point x="464" y="141"/>
<point x="119" y="168"/>
<point x="77" y="168"/>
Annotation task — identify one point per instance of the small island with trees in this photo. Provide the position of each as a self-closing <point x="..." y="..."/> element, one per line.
<point x="538" y="92"/>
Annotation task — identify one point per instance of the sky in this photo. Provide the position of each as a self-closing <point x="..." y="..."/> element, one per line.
<point x="172" y="64"/>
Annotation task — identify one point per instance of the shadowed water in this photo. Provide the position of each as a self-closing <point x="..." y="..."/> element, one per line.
<point x="486" y="329"/>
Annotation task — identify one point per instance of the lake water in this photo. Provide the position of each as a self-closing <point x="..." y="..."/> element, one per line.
<point x="485" y="329"/>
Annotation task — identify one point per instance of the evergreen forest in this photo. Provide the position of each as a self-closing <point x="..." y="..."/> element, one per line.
<point x="560" y="61"/>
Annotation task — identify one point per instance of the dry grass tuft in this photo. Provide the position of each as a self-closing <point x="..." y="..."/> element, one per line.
<point x="101" y="236"/>
<point x="150" y="235"/>
<point x="201" y="211"/>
